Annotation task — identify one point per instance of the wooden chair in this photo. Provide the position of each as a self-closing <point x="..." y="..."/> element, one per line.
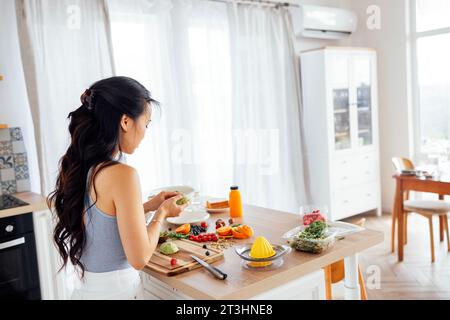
<point x="426" y="208"/>
<point x="335" y="273"/>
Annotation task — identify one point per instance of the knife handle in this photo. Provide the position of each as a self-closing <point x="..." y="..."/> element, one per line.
<point x="217" y="273"/>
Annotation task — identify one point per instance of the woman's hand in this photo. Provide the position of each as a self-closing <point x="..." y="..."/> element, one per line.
<point x="154" y="203"/>
<point x="170" y="208"/>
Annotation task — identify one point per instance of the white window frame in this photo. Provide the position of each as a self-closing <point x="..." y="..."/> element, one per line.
<point x="414" y="37"/>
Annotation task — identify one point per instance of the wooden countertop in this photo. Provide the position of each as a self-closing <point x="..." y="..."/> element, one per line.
<point x="243" y="283"/>
<point x="36" y="202"/>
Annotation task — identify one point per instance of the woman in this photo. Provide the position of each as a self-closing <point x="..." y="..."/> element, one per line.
<point x="101" y="225"/>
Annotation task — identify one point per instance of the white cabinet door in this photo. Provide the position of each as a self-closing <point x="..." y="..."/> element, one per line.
<point x="362" y="88"/>
<point x="339" y="84"/>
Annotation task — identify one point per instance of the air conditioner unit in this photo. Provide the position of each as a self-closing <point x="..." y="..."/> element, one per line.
<point x="323" y="22"/>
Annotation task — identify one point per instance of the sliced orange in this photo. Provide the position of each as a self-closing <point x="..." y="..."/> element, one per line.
<point x="184" y="229"/>
<point x="242" y="232"/>
<point x="225" y="231"/>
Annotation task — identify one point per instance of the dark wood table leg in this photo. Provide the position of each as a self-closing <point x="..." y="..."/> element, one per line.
<point x="400" y="218"/>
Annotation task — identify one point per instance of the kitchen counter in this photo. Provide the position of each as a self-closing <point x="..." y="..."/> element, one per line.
<point x="247" y="284"/>
<point x="36" y="202"/>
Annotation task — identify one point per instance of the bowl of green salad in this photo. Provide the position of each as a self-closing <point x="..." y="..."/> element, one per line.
<point x="314" y="238"/>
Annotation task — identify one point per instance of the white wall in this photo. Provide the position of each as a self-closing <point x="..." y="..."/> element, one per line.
<point x="14" y="109"/>
<point x="391" y="43"/>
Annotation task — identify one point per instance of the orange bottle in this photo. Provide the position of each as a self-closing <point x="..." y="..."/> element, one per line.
<point x="235" y="202"/>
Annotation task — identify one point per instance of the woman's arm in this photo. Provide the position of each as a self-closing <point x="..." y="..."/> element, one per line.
<point x="155" y="202"/>
<point x="138" y="240"/>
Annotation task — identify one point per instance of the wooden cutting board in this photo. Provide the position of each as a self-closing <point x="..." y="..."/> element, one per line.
<point x="161" y="263"/>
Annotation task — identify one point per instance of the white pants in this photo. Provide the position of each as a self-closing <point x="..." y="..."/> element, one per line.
<point x="115" y="285"/>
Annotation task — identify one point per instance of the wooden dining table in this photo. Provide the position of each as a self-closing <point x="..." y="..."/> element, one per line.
<point x="439" y="185"/>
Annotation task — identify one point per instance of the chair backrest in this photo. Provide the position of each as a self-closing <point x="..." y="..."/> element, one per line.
<point x="402" y="164"/>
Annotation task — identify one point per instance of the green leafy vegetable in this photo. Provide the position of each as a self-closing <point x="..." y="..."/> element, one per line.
<point x="174" y="235"/>
<point x="313" y="238"/>
<point x="315" y="230"/>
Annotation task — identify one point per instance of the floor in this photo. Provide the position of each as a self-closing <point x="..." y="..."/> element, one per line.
<point x="414" y="278"/>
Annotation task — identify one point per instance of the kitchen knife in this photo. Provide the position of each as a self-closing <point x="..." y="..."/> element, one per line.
<point x="216" y="272"/>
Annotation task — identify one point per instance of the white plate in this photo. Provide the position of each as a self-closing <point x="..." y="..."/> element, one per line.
<point x="221" y="210"/>
<point x="186" y="190"/>
<point x="189" y="217"/>
<point x="338" y="228"/>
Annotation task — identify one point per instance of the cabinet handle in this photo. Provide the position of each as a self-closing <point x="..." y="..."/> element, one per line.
<point x="346" y="201"/>
<point x="344" y="178"/>
<point x="368" y="172"/>
<point x="12" y="243"/>
<point x="368" y="194"/>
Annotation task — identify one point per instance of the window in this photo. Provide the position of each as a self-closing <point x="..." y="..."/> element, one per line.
<point x="431" y="75"/>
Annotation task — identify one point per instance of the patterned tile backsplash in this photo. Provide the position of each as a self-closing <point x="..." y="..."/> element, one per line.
<point x="14" y="174"/>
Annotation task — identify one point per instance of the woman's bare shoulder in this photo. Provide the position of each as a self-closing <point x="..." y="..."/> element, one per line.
<point x="120" y="169"/>
<point x="118" y="175"/>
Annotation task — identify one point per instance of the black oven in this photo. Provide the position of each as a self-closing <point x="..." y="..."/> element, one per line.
<point x="19" y="275"/>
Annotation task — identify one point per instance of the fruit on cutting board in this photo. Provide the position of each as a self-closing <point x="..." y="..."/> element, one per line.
<point x="242" y="231"/>
<point x="225" y="231"/>
<point x="184" y="229"/>
<point x="168" y="248"/>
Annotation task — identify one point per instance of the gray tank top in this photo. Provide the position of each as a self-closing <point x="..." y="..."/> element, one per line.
<point x="103" y="251"/>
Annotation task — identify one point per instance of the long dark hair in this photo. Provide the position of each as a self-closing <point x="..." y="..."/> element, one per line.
<point x="94" y="128"/>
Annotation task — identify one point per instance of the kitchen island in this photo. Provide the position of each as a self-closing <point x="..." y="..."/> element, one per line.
<point x="300" y="277"/>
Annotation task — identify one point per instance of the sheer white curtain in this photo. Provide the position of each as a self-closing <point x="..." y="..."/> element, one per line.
<point x="225" y="75"/>
<point x="65" y="47"/>
<point x="180" y="51"/>
<point x="266" y="107"/>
